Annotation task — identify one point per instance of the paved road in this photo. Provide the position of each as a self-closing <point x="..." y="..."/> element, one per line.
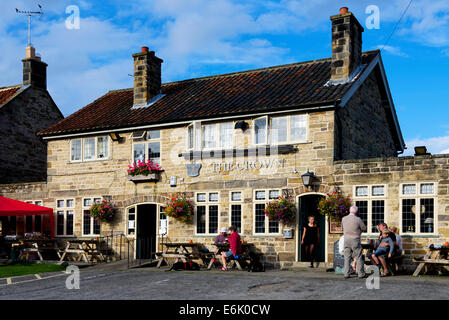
<point x="150" y="283"/>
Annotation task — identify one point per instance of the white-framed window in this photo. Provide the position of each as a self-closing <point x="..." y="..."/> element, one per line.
<point x="90" y="225"/>
<point x="288" y="129"/>
<point x="418" y="208"/>
<point x="88" y="149"/>
<point x="65" y="210"/>
<point x="206" y="212"/>
<point x="147" y="146"/>
<point x="34" y="223"/>
<point x="261" y="130"/>
<point x="261" y="223"/>
<point x="371" y="201"/>
<point x="210" y="136"/>
<point x="235" y="209"/>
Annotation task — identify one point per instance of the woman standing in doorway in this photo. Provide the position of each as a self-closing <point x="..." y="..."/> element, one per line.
<point x="311" y="239"/>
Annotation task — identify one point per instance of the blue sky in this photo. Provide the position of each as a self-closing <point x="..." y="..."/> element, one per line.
<point x="206" y="37"/>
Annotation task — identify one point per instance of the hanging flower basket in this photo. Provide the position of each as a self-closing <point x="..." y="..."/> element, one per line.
<point x="144" y="171"/>
<point x="283" y="209"/>
<point x="103" y="211"/>
<point x="180" y="209"/>
<point x="335" y="205"/>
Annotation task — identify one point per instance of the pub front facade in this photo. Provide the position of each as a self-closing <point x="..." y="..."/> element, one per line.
<point x="232" y="143"/>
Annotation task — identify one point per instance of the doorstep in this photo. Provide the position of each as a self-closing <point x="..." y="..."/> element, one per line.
<point x="318" y="266"/>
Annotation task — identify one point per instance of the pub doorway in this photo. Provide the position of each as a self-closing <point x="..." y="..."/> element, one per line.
<point x="146" y="231"/>
<point x="307" y="206"/>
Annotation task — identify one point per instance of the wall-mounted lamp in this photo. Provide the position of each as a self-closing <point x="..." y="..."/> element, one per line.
<point x="421" y="151"/>
<point x="307" y="178"/>
<point x="115" y="136"/>
<point x="241" y="125"/>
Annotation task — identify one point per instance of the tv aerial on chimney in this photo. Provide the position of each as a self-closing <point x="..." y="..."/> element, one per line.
<point x="30" y="13"/>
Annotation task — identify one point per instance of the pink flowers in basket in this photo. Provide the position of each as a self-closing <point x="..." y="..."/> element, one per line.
<point x="143" y="168"/>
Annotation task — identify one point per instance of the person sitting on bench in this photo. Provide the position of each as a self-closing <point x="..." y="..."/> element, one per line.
<point x="235" y="247"/>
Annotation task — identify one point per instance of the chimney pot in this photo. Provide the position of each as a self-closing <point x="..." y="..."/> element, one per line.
<point x="145" y="49"/>
<point x="343" y="10"/>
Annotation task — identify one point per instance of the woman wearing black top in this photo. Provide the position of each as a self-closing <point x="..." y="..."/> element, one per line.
<point x="310" y="239"/>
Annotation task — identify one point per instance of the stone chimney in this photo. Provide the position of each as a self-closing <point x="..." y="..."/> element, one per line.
<point x="147" y="76"/>
<point x="34" y="70"/>
<point x="346" y="45"/>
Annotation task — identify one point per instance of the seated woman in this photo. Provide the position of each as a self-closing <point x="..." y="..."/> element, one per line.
<point x="398" y="243"/>
<point x="235" y="246"/>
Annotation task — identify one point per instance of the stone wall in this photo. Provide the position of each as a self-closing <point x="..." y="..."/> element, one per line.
<point x="108" y="179"/>
<point x="393" y="172"/>
<point x="22" y="153"/>
<point x="362" y="127"/>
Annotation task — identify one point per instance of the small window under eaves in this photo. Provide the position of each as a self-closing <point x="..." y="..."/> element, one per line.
<point x="137" y="135"/>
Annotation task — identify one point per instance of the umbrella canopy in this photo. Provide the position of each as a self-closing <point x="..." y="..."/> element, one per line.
<point x="10" y="207"/>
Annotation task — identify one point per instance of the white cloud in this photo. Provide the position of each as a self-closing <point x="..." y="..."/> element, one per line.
<point x="393" y="50"/>
<point x="435" y="145"/>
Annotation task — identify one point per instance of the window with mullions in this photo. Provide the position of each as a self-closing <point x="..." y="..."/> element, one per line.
<point x="91" y="226"/>
<point x="418" y="208"/>
<point x="34" y="223"/>
<point x="370" y="201"/>
<point x="262" y="225"/>
<point x="64" y="217"/>
<point x="236" y="210"/>
<point x="147" y="146"/>
<point x="206" y="212"/>
<point x="85" y="149"/>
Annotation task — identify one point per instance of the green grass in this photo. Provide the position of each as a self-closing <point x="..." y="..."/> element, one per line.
<point x="24" y="269"/>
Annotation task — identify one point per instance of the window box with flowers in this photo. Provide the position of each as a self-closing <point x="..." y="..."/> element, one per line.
<point x="144" y="171"/>
<point x="179" y="208"/>
<point x="283" y="209"/>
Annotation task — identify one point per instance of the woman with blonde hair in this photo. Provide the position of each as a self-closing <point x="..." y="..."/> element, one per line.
<point x="398" y="242"/>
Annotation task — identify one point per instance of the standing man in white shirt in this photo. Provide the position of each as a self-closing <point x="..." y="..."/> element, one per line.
<point x="353" y="227"/>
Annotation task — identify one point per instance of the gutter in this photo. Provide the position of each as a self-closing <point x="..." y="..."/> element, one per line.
<point x="186" y="122"/>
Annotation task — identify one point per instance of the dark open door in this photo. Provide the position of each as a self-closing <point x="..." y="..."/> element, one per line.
<point x="146" y="231"/>
<point x="308" y="207"/>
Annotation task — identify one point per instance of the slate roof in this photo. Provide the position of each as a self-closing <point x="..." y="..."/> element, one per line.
<point x="297" y="85"/>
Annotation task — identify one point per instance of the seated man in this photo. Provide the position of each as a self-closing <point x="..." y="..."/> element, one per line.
<point x="222" y="237"/>
<point x="235" y="247"/>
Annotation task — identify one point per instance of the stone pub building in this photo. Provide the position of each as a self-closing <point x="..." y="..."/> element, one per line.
<point x="231" y="143"/>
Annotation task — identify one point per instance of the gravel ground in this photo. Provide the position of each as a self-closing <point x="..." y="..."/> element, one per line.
<point x="157" y="284"/>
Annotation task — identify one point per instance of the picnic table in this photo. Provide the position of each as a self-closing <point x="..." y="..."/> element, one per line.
<point x="82" y="248"/>
<point x="184" y="251"/>
<point x="39" y="246"/>
<point x="244" y="255"/>
<point x="435" y="258"/>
